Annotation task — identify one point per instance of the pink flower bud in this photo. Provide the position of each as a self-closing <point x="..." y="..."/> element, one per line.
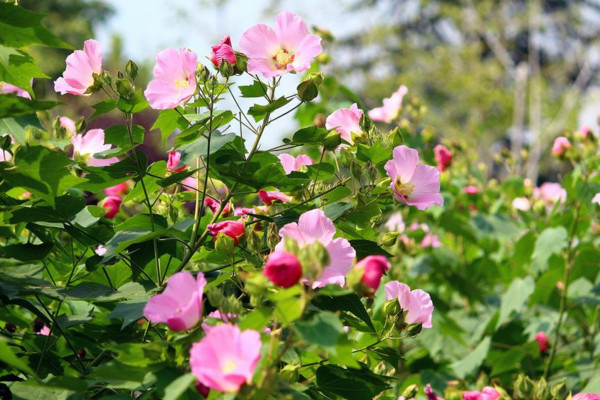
<point x="542" y="340"/>
<point x="202" y="389"/>
<point x="560" y="146"/>
<point x="117" y="190"/>
<point x="268" y="197"/>
<point x="443" y="157"/>
<point x="586" y="396"/>
<point x="283" y="269"/>
<point x="373" y="269"/>
<point x="488" y="393"/>
<point x="173" y="162"/>
<point x="111" y="204"/>
<point x="233" y="229"/>
<point x="472" y="190"/>
<point x="223" y="51"/>
<point x="215" y="205"/>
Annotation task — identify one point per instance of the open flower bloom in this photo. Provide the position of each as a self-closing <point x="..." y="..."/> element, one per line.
<point x="521" y="203"/>
<point x="314" y="226"/>
<point x="391" y="107"/>
<point x="81" y="67"/>
<point x="443" y="157"/>
<point x="283" y="269"/>
<point x="233" y="229"/>
<point x="550" y="193"/>
<point x="346" y="121"/>
<point x="288" y="47"/>
<point x="373" y="268"/>
<point x="586" y="396"/>
<point x="395" y="223"/>
<point x="7" y="88"/>
<point x="111" y="205"/>
<point x="174" y="79"/>
<point x="173" y="162"/>
<point x="291" y="163"/>
<point x="226" y="357"/>
<point x="180" y="305"/>
<point x="270" y="196"/>
<point x="223" y="51"/>
<point x="488" y="393"/>
<point x="416" y="303"/>
<point x="413" y="184"/>
<point x="542" y="340"/>
<point x="91" y="143"/>
<point x="560" y="146"/>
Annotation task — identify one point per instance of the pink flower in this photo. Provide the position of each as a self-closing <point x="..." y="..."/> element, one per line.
<point x="203" y="390"/>
<point x="111" y="204"/>
<point x="584" y="130"/>
<point x="542" y="340"/>
<point x="314" y="226"/>
<point x="550" y="193"/>
<point x="346" y="121"/>
<point x="395" y="223"/>
<point x="596" y="199"/>
<point x="586" y="396"/>
<point x="291" y="163"/>
<point x="45" y="331"/>
<point x="173" y="162"/>
<point x="488" y="393"/>
<point x="226" y="357"/>
<point x="521" y="203"/>
<point x="7" y="88"/>
<point x="100" y="250"/>
<point x="373" y="268"/>
<point x="189" y="183"/>
<point x="81" y="67"/>
<point x="288" y="47"/>
<point x="233" y="229"/>
<point x="283" y="269"/>
<point x="413" y="184"/>
<point x="243" y="211"/>
<point x="218" y="318"/>
<point x="68" y="124"/>
<point x="117" y="190"/>
<point x="560" y="146"/>
<point x="430" y="240"/>
<point x="431" y="394"/>
<point x="391" y="107"/>
<point x="174" y="79"/>
<point x="416" y="303"/>
<point x="268" y="197"/>
<point x="443" y="157"/>
<point x="180" y="305"/>
<point x="215" y="206"/>
<point x="91" y="143"/>
<point x="223" y="51"/>
<point x="471" y="190"/>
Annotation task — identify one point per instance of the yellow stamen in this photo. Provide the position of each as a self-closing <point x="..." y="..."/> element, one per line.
<point x="282" y="58"/>
<point x="182" y="84"/>
<point x="404" y="189"/>
<point x="229" y="366"/>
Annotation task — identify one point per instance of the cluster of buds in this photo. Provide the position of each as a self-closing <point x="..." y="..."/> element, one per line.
<point x="526" y="388"/>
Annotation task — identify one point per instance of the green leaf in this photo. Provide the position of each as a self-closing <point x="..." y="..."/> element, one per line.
<point x="119" y="136"/>
<point x="178" y="387"/>
<point x="167" y="122"/>
<point x="12" y="105"/>
<point x="259" y="111"/>
<point x="310" y="135"/>
<point x="469" y="364"/>
<point x="21" y="27"/>
<point x="133" y="105"/>
<point x="198" y="148"/>
<point x="142" y="222"/>
<point x="27" y="251"/>
<point x="324" y="330"/>
<point x="367" y="248"/>
<point x="176" y="177"/>
<point x="257" y="89"/>
<point x="515" y="297"/>
<point x="349" y="302"/>
<point x="8" y="356"/>
<point x="551" y="241"/>
<point x="351" y="384"/>
<point x="130" y="311"/>
<point x="376" y="153"/>
<point x="18" y="68"/>
<point x="103" y="107"/>
<point x="16" y="127"/>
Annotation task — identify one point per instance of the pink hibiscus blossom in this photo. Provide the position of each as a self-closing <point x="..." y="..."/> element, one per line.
<point x="417" y="303"/>
<point x="174" y="79"/>
<point x="550" y="193"/>
<point x="68" y="124"/>
<point x="521" y="203"/>
<point x="314" y="226"/>
<point x="395" y="223"/>
<point x="488" y="393"/>
<point x="226" y="357"/>
<point x="81" y="67"/>
<point x="233" y="229"/>
<point x="291" y="163"/>
<point x="100" y="250"/>
<point x="189" y="183"/>
<point x="586" y="396"/>
<point x="560" y="146"/>
<point x="373" y="268"/>
<point x="283" y="269"/>
<point x="430" y="240"/>
<point x="7" y="88"/>
<point x="223" y="51"/>
<point x="45" y="331"/>
<point x="111" y="206"/>
<point x="413" y="184"/>
<point x="430" y="393"/>
<point x="391" y="107"/>
<point x="91" y="143"/>
<point x="596" y="199"/>
<point x="288" y="47"/>
<point x="346" y="121"/>
<point x="173" y="162"/>
<point x="117" y="190"/>
<point x="471" y="190"/>
<point x="217" y="317"/>
<point x="542" y="340"/>
<point x="215" y="206"/>
<point x="180" y="305"/>
<point x="270" y="196"/>
<point x="443" y="157"/>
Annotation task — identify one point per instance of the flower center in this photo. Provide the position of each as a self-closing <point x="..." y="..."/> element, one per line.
<point x="181" y="84"/>
<point x="229" y="366"/>
<point x="282" y="58"/>
<point x="404" y="189"/>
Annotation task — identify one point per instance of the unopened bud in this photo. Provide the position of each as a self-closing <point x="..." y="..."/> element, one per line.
<point x="332" y="140"/>
<point x="414" y="329"/>
<point x="224" y="244"/>
<point x="131" y="69"/>
<point x="391" y="307"/>
<point x="124" y="88"/>
<point x="202" y="73"/>
<point x="241" y="62"/>
<point x="411" y="391"/>
<point x="80" y="125"/>
<point x="307" y="90"/>
<point x="225" y="69"/>
<point x="541" y="389"/>
<point x="389" y="239"/>
<point x="289" y="373"/>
